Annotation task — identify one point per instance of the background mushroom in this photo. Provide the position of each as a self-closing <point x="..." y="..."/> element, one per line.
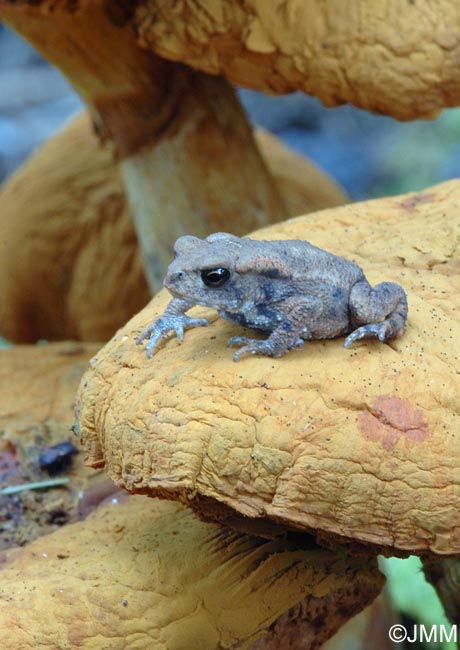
<point x="170" y="124"/>
<point x="149" y="574"/>
<point x="255" y="588"/>
<point x="185" y="150"/>
<point x="357" y="446"/>
<point x="394" y="58"/>
<point x="69" y="261"/>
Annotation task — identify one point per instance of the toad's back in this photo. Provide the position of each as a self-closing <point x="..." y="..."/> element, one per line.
<point x="309" y="263"/>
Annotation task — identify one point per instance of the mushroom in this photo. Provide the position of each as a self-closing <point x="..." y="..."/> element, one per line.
<point x="357" y="446"/>
<point x="86" y="581"/>
<point x="69" y="262"/>
<point x="138" y="574"/>
<point x="185" y="150"/>
<point x="394" y="58"/>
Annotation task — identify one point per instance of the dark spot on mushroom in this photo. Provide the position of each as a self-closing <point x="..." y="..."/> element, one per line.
<point x="392" y="418"/>
<point x="413" y="201"/>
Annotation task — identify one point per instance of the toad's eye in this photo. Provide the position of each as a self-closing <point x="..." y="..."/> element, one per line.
<point x="215" y="277"/>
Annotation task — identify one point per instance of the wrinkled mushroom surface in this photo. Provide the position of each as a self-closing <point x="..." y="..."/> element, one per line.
<point x="149" y="575"/>
<point x="359" y="445"/>
<point x="391" y="57"/>
<point x="69" y="260"/>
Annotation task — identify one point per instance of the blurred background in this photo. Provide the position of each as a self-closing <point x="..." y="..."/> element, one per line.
<point x="369" y="155"/>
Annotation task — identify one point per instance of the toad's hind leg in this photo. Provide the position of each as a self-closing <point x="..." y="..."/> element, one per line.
<point x="380" y="312"/>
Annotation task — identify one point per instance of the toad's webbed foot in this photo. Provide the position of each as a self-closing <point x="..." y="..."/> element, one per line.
<point x="160" y="328"/>
<point x="382" y="331"/>
<point x="257" y="346"/>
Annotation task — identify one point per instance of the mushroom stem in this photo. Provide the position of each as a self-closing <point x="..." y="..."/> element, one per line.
<point x="188" y="158"/>
<point x="204" y="174"/>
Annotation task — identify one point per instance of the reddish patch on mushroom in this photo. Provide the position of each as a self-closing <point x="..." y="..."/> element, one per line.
<point x="413" y="201"/>
<point x="392" y="418"/>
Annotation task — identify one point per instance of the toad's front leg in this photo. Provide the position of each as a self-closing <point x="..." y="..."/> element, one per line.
<point x="172" y="320"/>
<point x="289" y="334"/>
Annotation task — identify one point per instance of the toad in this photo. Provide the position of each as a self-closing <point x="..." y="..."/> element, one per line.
<point x="289" y="288"/>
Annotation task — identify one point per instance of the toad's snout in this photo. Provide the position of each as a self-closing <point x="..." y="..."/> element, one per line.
<point x="173" y="279"/>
